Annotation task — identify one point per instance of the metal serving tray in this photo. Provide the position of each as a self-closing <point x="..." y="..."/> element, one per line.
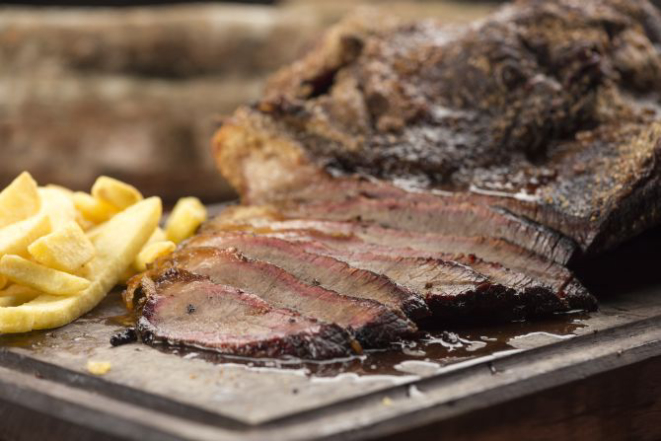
<point x="523" y="377"/>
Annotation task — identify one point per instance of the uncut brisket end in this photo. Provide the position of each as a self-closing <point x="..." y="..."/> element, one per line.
<point x="543" y="110"/>
<point x="372" y="324"/>
<point x="324" y="271"/>
<point x="187" y="310"/>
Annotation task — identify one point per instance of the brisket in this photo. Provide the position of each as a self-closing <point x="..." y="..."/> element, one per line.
<point x="401" y="168"/>
<point x="439" y="217"/>
<point x="320" y="270"/>
<point x="456" y="293"/>
<point x="404" y="243"/>
<point x="545" y="110"/>
<point x="364" y="245"/>
<point x="453" y="292"/>
<point x="372" y="324"/>
<point x="186" y="310"/>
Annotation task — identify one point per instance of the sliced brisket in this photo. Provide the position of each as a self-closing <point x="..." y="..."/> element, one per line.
<point x="372" y="324"/>
<point x="186" y="310"/>
<point x="398" y="242"/>
<point x="443" y="218"/>
<point x="478" y="291"/>
<point x="320" y="270"/>
<point x="363" y="245"/>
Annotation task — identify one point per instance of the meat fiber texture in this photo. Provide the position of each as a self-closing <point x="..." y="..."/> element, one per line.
<point x="187" y="310"/>
<point x="539" y="125"/>
<point x="371" y="323"/>
<point x="462" y="279"/>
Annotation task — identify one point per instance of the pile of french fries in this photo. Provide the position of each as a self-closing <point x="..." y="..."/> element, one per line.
<point x="61" y="251"/>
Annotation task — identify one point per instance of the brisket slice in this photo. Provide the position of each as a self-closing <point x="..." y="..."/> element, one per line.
<point x="407" y="243"/>
<point x="372" y="324"/>
<point x="498" y="260"/>
<point x="454" y="292"/>
<point x="458" y="288"/>
<point x="501" y="262"/>
<point x="439" y="217"/>
<point x="547" y="110"/>
<point x="320" y="270"/>
<point x="186" y="310"/>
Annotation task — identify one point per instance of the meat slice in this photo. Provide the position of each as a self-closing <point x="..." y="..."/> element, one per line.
<point x="510" y="265"/>
<point x="549" y="284"/>
<point x="186" y="310"/>
<point x="453" y="291"/>
<point x="372" y="324"/>
<point x="320" y="270"/>
<point x="476" y="292"/>
<point x="406" y="243"/>
<point x="443" y="218"/>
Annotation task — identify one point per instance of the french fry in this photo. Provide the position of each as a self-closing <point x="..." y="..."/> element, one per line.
<point x="3" y="281"/>
<point x="15" y="295"/>
<point x="19" y="200"/>
<point x="117" y="242"/>
<point x="187" y="215"/>
<point x="66" y="249"/>
<point x="98" y="367"/>
<point x="58" y="206"/>
<point x="59" y="188"/>
<point x="115" y="192"/>
<point x="15" y="238"/>
<point x="158" y="236"/>
<point x="39" y="277"/>
<point x="93" y="209"/>
<point x="151" y="252"/>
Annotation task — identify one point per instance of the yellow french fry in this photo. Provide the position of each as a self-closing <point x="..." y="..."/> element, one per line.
<point x="3" y="281"/>
<point x="58" y="206"/>
<point x="59" y="188"/>
<point x="15" y="295"/>
<point x="151" y="252"/>
<point x="62" y="210"/>
<point x="39" y="277"/>
<point x="19" y="200"/>
<point x="15" y="238"/>
<point x="187" y="215"/>
<point x="66" y="249"/>
<point x="117" y="243"/>
<point x="158" y="236"/>
<point x="98" y="367"/>
<point x="115" y="192"/>
<point x="93" y="209"/>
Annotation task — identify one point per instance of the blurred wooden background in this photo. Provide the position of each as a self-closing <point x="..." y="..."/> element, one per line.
<point x="137" y="92"/>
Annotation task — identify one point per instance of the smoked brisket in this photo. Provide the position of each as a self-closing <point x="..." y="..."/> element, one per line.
<point x="370" y="322"/>
<point x="186" y="310"/>
<point x="546" y="110"/>
<point x="320" y="270"/>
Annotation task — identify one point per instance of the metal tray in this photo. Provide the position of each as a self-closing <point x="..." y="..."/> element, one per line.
<point x="46" y="391"/>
